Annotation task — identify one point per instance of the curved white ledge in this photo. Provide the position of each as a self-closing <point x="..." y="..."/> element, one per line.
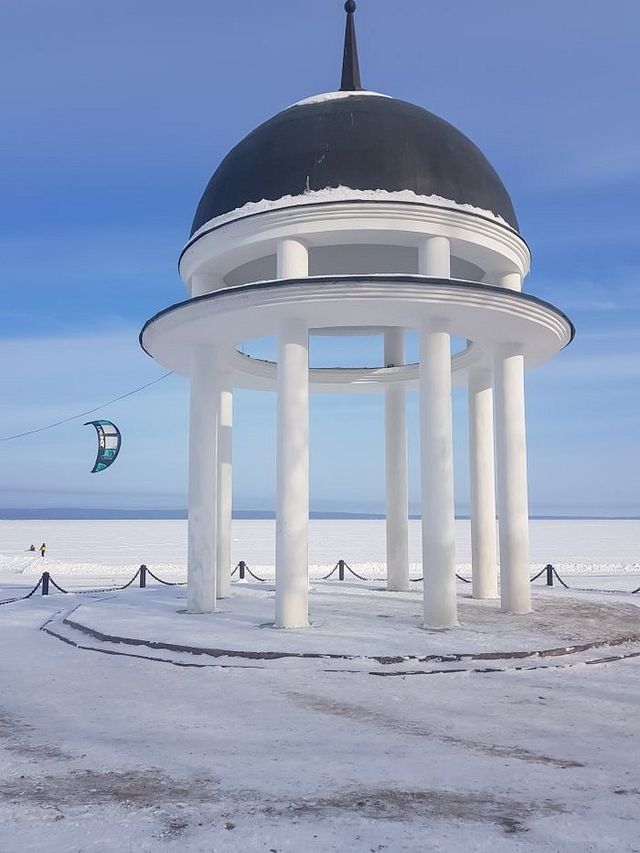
<point x="389" y="218"/>
<point x="489" y="317"/>
<point x="260" y="374"/>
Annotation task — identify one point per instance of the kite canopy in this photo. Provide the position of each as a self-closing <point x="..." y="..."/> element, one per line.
<point x="109" y="441"/>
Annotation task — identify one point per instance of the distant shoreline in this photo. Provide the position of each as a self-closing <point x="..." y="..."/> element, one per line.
<point x="79" y="514"/>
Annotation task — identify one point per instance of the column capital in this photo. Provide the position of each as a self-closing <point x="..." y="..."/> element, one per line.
<point x="204" y="356"/>
<point x="480" y="378"/>
<point x="293" y="325"/>
<point x="433" y="325"/>
<point x="508" y="349"/>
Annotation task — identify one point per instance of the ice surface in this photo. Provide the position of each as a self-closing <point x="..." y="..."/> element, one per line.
<point x="115" y="548"/>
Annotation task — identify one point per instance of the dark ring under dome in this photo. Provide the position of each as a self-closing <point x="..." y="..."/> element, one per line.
<point x="360" y="141"/>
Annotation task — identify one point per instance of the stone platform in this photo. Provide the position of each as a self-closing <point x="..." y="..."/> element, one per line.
<point x="354" y="628"/>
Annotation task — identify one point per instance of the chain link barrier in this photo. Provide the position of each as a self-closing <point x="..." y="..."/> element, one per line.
<point x="89" y="591"/>
<point x="540" y="573"/>
<point x="332" y="572"/>
<point x="163" y="582"/>
<point x="552" y="572"/>
<point x="459" y="577"/>
<point x="243" y="569"/>
<point x="23" y="597"/>
<point x="355" y="574"/>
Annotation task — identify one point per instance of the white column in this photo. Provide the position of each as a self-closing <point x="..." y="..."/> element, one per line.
<point x="202" y="283"/>
<point x="292" y="478"/>
<point x="225" y="488"/>
<point x="511" y="453"/>
<point x="396" y="488"/>
<point x="292" y="259"/>
<point x="436" y="455"/>
<point x="484" y="569"/>
<point x="292" y="456"/>
<point x="436" y="452"/>
<point x="510" y="280"/>
<point x="434" y="257"/>
<point x="201" y="570"/>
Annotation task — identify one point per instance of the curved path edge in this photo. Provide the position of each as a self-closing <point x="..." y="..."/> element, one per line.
<point x="264" y="656"/>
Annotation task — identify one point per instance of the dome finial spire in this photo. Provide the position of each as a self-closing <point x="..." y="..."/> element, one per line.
<point x="350" y="66"/>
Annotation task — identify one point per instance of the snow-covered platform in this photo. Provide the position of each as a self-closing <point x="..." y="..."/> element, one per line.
<point x="355" y="628"/>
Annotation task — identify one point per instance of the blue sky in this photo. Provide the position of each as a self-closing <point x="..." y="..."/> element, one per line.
<point x="114" y="117"/>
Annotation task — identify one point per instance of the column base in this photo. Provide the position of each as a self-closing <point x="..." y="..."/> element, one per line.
<point x="439" y="628"/>
<point x="291" y="627"/>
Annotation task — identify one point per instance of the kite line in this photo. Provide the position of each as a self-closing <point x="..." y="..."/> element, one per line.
<point x="89" y="411"/>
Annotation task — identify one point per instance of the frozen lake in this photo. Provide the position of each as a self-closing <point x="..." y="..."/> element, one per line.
<point x="104" y="548"/>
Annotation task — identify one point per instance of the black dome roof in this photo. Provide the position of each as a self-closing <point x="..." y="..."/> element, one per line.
<point x="361" y="141"/>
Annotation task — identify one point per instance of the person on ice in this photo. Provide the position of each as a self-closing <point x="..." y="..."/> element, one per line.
<point x="32" y="547"/>
<point x="43" y="548"/>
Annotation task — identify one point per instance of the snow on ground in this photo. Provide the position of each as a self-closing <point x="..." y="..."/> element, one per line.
<point x="117" y="752"/>
<point x="351" y="619"/>
<point x="116" y="548"/>
<point x="108" y="752"/>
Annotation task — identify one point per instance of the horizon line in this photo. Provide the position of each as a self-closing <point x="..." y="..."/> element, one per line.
<point x="97" y="514"/>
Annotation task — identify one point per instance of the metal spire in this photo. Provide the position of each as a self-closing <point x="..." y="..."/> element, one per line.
<point x="350" y="66"/>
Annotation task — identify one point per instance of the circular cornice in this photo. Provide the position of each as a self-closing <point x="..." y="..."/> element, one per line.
<point x="487" y="315"/>
<point x="319" y="220"/>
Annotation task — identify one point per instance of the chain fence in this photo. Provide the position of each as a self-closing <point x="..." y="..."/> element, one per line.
<point x="46" y="582"/>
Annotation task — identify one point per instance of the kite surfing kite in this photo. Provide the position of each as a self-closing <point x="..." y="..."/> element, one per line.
<point x="109" y="441"/>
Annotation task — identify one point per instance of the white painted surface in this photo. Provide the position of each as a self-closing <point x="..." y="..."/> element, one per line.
<point x="292" y="259"/>
<point x="434" y="257"/>
<point x="201" y="592"/>
<point x="396" y="480"/>
<point x="344" y="222"/>
<point x="202" y="283"/>
<point x="510" y="280"/>
<point x="292" y="478"/>
<point x="511" y="459"/>
<point x="234" y="315"/>
<point x="436" y="461"/>
<point x="482" y="485"/>
<point x="225" y="491"/>
<point x="341" y="217"/>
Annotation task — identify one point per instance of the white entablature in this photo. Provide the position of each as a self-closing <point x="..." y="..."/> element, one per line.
<point x="346" y="236"/>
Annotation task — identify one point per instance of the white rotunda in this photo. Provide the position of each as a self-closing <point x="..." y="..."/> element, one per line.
<point x="356" y="213"/>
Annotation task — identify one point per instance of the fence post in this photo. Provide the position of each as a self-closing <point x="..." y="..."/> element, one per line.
<point x="549" y="569"/>
<point x="143" y="576"/>
<point x="45" y="583"/>
<point x="241" y="567"/>
<point x="341" y="570"/>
